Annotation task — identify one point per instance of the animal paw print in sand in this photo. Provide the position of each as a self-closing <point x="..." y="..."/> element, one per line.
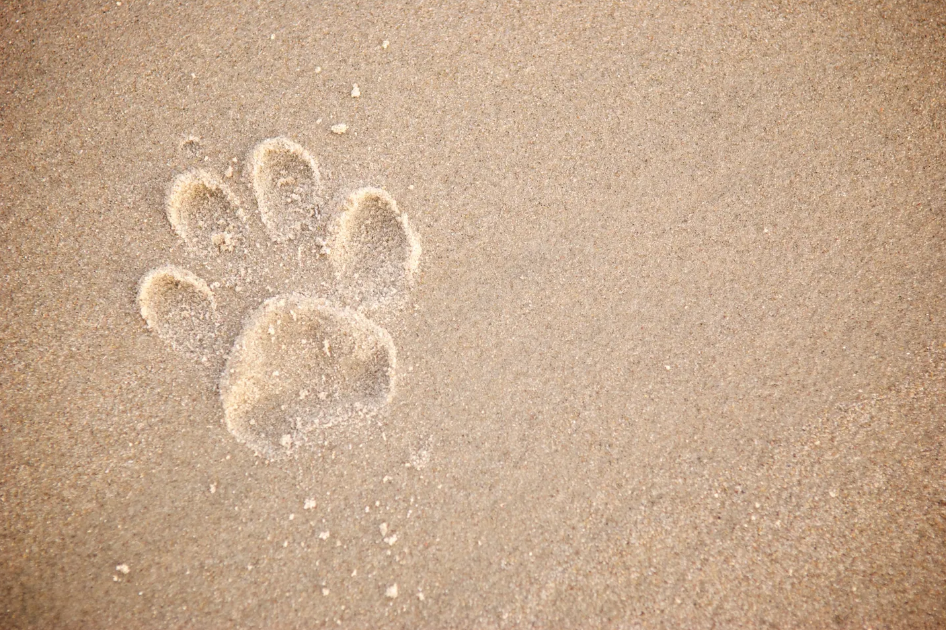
<point x="307" y="356"/>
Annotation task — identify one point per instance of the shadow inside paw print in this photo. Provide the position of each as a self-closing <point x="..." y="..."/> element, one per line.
<point x="305" y="358"/>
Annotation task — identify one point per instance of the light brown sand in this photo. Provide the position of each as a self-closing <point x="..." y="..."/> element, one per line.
<point x="673" y="357"/>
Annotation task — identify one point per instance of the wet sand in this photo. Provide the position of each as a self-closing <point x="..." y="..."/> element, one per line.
<point x="673" y="356"/>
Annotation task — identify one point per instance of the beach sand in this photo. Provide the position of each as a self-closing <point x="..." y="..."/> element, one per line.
<point x="670" y="353"/>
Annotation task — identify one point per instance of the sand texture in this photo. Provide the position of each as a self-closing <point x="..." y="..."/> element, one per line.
<point x="509" y="315"/>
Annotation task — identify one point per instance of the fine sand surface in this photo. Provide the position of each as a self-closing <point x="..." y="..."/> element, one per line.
<point x="619" y="315"/>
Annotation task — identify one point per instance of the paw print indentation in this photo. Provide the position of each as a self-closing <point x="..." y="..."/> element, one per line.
<point x="288" y="188"/>
<point x="307" y="357"/>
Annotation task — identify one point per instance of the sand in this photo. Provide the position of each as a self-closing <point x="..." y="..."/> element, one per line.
<point x="664" y="284"/>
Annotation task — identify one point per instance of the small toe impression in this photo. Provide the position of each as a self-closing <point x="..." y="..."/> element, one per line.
<point x="204" y="212"/>
<point x="375" y="251"/>
<point x="302" y="364"/>
<point x="181" y="309"/>
<point x="288" y="187"/>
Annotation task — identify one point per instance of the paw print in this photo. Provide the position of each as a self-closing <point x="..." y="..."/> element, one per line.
<point x="307" y="355"/>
